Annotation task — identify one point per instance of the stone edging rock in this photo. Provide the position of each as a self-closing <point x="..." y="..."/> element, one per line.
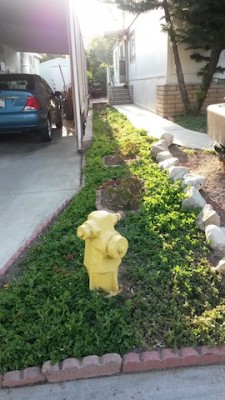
<point x="207" y="220"/>
<point x="113" y="364"/>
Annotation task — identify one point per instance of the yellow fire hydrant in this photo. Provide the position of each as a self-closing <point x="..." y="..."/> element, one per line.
<point x="104" y="249"/>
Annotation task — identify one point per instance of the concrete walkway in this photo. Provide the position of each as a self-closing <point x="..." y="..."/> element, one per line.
<point x="196" y="383"/>
<point x="37" y="181"/>
<point x="156" y="125"/>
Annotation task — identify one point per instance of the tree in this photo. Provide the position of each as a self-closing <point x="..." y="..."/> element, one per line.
<point x="200" y="25"/>
<point x="99" y="56"/>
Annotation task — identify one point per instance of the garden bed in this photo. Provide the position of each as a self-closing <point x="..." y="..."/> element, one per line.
<point x="169" y="298"/>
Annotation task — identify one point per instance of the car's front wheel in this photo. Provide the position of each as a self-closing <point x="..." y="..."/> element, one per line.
<point x="46" y="132"/>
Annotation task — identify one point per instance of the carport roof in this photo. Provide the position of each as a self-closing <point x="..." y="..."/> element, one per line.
<point x="34" y="26"/>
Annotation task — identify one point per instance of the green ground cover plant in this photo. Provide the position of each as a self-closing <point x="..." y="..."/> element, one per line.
<point x="170" y="298"/>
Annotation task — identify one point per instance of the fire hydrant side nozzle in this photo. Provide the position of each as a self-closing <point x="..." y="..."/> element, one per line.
<point x="87" y="230"/>
<point x="117" y="246"/>
<point x="116" y="218"/>
<point x="104" y="249"/>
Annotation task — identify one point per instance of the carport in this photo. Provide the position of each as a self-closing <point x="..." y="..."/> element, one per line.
<point x="48" y="27"/>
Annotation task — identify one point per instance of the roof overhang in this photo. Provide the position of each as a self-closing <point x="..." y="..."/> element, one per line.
<point x="37" y="27"/>
<point x="116" y="34"/>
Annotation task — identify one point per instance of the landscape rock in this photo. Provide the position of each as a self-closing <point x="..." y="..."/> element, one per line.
<point x="163" y="155"/>
<point x="170" y="162"/>
<point x="197" y="181"/>
<point x="159" y="146"/>
<point x="216" y="237"/>
<point x="220" y="267"/>
<point x="194" y="200"/>
<point x="207" y="217"/>
<point x="168" y="137"/>
<point x="177" y="172"/>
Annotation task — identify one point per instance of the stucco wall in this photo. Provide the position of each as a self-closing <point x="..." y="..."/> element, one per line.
<point x="190" y="67"/>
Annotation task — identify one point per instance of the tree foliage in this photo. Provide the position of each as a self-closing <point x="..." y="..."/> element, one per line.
<point x="137" y="6"/>
<point x="201" y="27"/>
<point x="99" y="56"/>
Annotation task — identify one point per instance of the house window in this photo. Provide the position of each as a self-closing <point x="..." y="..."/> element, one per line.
<point x="132" y="46"/>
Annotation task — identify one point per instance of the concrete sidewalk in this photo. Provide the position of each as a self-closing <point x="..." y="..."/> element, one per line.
<point x="156" y="125"/>
<point x="196" y="383"/>
<point x="37" y="181"/>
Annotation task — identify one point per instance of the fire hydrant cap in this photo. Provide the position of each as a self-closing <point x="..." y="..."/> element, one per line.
<point x="117" y="246"/>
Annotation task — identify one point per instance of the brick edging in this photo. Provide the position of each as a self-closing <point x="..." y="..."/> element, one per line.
<point x="113" y="364"/>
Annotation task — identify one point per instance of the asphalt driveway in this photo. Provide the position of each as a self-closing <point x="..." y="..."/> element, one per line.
<point x="36" y="181"/>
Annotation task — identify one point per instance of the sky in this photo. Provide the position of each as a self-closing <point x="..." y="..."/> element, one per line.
<point x="96" y="17"/>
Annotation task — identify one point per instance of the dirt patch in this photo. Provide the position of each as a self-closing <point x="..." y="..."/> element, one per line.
<point x="203" y="163"/>
<point x="210" y="166"/>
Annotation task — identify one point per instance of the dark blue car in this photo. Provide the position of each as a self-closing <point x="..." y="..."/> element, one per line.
<point x="27" y="103"/>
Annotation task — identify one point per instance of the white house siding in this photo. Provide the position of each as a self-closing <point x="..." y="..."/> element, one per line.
<point x="36" y="64"/>
<point x="116" y="78"/>
<point x="149" y="65"/>
<point x="11" y="59"/>
<point x="15" y="61"/>
<point x="81" y="69"/>
<point x="30" y="63"/>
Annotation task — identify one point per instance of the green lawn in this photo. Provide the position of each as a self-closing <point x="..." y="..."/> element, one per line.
<point x="195" y="123"/>
<point x="170" y="296"/>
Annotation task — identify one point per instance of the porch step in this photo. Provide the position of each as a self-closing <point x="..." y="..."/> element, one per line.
<point x="119" y="95"/>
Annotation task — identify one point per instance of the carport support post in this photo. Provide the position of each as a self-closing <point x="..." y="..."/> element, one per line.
<point x="74" y="70"/>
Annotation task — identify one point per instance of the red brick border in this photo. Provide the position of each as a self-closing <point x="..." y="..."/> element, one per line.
<point x="113" y="364"/>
